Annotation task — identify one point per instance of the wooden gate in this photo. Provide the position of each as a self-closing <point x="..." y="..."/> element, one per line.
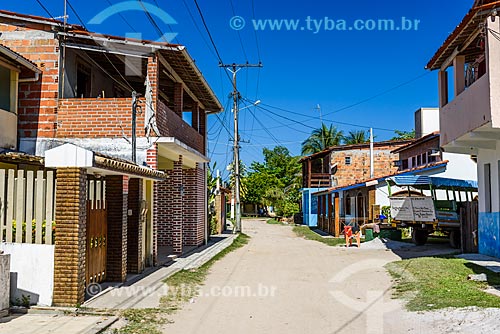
<point x="97" y="231"/>
<point x="469" y="227"/>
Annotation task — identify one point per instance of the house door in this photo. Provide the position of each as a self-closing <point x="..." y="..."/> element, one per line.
<point x="97" y="232"/>
<point x="360" y="204"/>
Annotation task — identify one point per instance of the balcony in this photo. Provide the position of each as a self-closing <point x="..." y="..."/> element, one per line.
<point x="467" y="112"/>
<point x="318" y="180"/>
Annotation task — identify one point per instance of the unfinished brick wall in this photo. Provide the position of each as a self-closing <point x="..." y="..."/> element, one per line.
<point x="37" y="100"/>
<point x="134" y="227"/>
<point x="98" y="118"/>
<point x="359" y="169"/>
<point x="117" y="200"/>
<point x="71" y="236"/>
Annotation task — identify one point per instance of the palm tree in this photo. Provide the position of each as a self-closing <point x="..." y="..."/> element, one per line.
<point x="356" y="137"/>
<point x="321" y="139"/>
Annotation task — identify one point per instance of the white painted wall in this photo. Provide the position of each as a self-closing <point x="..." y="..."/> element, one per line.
<point x="31" y="271"/>
<point x="460" y="166"/>
<point x="493" y="158"/>
<point x="426" y="121"/>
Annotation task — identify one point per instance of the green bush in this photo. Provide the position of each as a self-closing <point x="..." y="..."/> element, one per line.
<point x="33" y="231"/>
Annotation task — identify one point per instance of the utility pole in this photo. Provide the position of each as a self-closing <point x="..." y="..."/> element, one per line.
<point x="134" y="125"/>
<point x="372" y="167"/>
<point x="234" y="68"/>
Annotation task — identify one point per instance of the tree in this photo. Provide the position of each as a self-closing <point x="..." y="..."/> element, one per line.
<point x="275" y="182"/>
<point x="357" y="137"/>
<point x="404" y="135"/>
<point x="321" y="139"/>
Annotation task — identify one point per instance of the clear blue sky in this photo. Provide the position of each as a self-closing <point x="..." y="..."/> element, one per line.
<point x="301" y="69"/>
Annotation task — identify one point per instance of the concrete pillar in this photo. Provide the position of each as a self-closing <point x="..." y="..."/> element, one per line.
<point x="459" y="77"/>
<point x="117" y="200"/>
<point x="70" y="243"/>
<point x="443" y="88"/>
<point x="135" y="226"/>
<point x="177" y="206"/>
<point x="4" y="284"/>
<point x="178" y="98"/>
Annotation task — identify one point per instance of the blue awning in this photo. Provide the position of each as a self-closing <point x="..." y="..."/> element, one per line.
<point x="421" y="181"/>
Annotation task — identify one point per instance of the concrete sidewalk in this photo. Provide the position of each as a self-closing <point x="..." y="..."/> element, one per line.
<point x="488" y="262"/>
<point x="147" y="290"/>
<point x="144" y="291"/>
<point x="54" y="324"/>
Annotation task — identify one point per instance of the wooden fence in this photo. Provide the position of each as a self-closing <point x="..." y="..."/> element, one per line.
<point x="27" y="206"/>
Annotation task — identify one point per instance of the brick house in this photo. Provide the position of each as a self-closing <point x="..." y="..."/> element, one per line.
<point x="81" y="105"/>
<point x="360" y="200"/>
<point x="341" y="166"/>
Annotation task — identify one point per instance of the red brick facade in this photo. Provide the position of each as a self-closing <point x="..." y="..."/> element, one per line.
<point x="97" y="118"/>
<point x="37" y="108"/>
<point x="194" y="213"/>
<point x="117" y="195"/>
<point x="178" y="203"/>
<point x="135" y="224"/>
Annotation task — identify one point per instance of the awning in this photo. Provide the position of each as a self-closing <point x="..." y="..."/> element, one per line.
<point x="421" y="181"/>
<point x="72" y="156"/>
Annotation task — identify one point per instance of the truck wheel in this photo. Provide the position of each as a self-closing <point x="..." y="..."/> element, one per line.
<point x="455" y="239"/>
<point x="419" y="237"/>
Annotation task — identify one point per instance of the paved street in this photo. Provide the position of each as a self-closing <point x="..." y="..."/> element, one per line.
<point x="280" y="283"/>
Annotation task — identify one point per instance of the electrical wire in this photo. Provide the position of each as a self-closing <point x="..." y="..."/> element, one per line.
<point x="238" y="32"/>
<point x="45" y="9"/>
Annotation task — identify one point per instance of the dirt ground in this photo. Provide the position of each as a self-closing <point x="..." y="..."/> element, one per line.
<point x="280" y="283"/>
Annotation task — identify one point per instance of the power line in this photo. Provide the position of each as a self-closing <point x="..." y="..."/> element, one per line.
<point x="122" y="17"/>
<point x="198" y="28"/>
<point x="168" y="25"/>
<point x="238" y="32"/>
<point x="208" y="31"/>
<point x="45" y="9"/>
<point x="76" y="14"/>
<point x="255" y="31"/>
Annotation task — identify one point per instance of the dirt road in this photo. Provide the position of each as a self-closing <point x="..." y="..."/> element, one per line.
<point x="280" y="283"/>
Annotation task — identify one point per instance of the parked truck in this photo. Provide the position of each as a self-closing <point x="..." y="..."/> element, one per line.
<point x="428" y="204"/>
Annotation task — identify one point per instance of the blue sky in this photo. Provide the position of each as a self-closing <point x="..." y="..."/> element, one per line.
<point x="301" y="69"/>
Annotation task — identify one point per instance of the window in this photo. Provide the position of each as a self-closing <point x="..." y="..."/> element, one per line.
<point x="424" y="158"/>
<point x="404" y="165"/>
<point x="487" y="187"/>
<point x="348" y="161"/>
<point x="413" y="162"/>
<point x="347" y="206"/>
<point x="83" y="81"/>
<point x="5" y="94"/>
<point x="419" y="160"/>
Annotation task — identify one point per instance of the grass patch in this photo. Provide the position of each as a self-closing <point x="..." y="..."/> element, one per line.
<point x="143" y="321"/>
<point x="431" y="283"/>
<point x="183" y="286"/>
<point x="273" y="221"/>
<point x="306" y="232"/>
